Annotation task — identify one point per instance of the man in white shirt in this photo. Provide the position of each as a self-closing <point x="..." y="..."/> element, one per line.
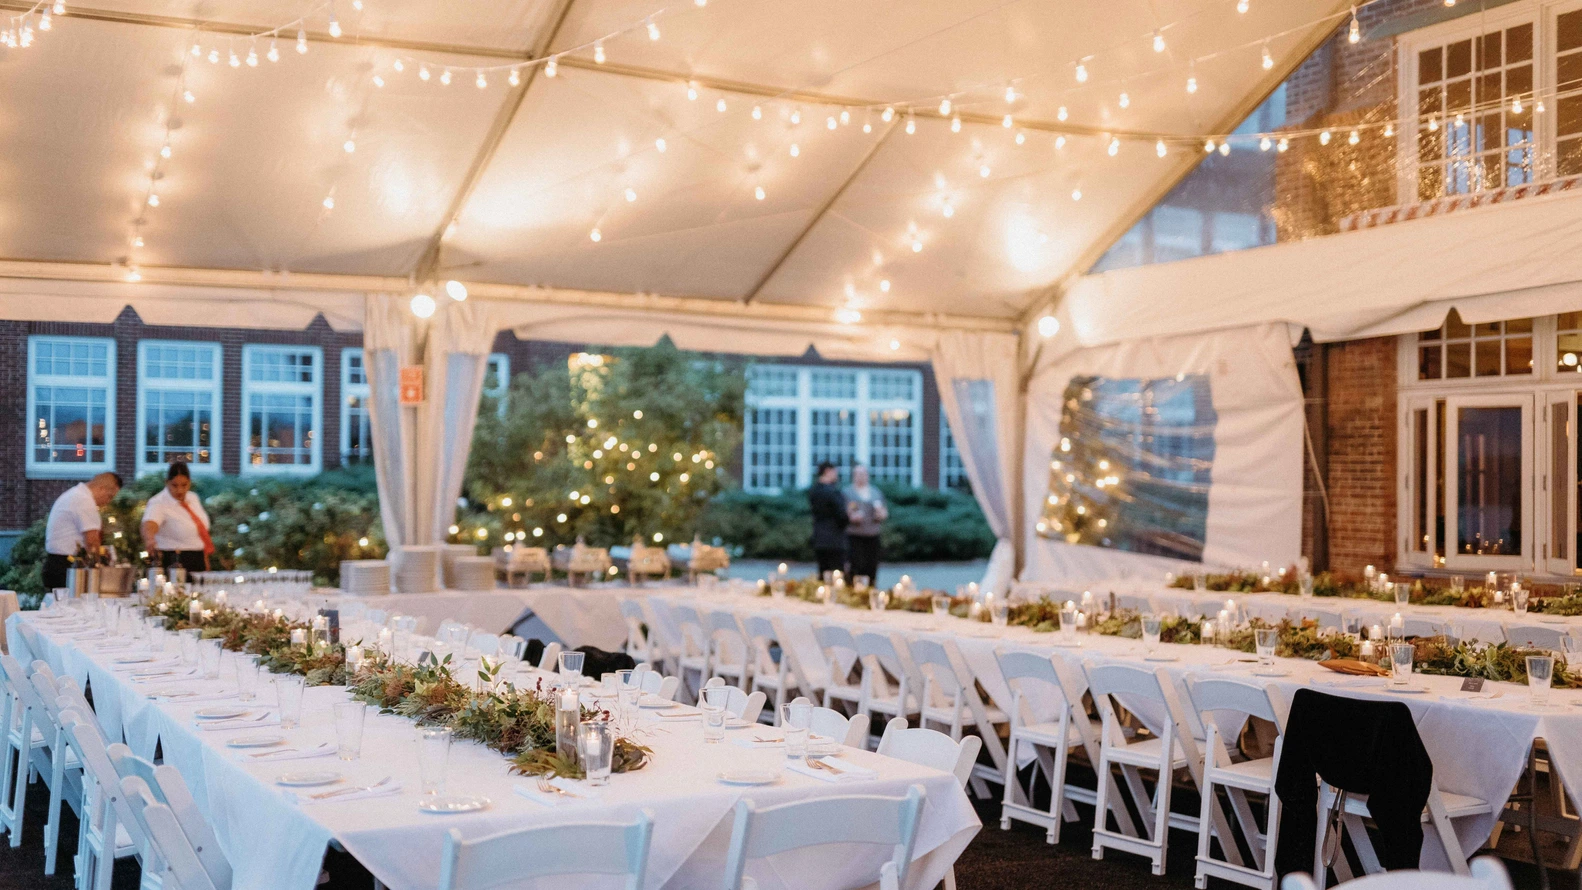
<point x="74" y="525"/>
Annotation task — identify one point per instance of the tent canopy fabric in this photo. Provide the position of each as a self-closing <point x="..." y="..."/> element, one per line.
<point x="503" y="185"/>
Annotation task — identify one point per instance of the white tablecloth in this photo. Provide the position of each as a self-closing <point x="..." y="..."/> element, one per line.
<point x="276" y="843"/>
<point x="1479" y="747"/>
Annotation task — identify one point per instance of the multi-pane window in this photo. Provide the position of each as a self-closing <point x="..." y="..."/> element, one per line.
<point x="356" y="435"/>
<point x="952" y="471"/>
<point x="497" y="380"/>
<point x="1568" y="342"/>
<point x="1475" y="99"/>
<point x="70" y="405"/>
<point x="798" y="417"/>
<point x="1490" y="349"/>
<point x="281" y="387"/>
<point x="1568" y="93"/>
<point x="178" y="405"/>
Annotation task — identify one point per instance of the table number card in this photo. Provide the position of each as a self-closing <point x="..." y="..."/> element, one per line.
<point x="1472" y="684"/>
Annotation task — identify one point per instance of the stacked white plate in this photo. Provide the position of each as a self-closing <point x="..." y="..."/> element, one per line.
<point x="365" y="577"/>
<point x="469" y="573"/>
<point x="417" y="568"/>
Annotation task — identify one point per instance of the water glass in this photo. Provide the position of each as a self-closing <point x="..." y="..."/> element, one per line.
<point x="209" y="654"/>
<point x="433" y="755"/>
<point x="940" y="605"/>
<point x="188" y="641"/>
<point x="571" y="666"/>
<point x="713" y="704"/>
<point x="1151" y="627"/>
<point x="246" y="677"/>
<point x="288" y="694"/>
<point x="795" y="719"/>
<point x="1458" y="583"/>
<point x="349" y="729"/>
<point x="596" y="750"/>
<point x="878" y="599"/>
<point x="1540" y="674"/>
<point x="1267" y="640"/>
<point x="1401" y="662"/>
<point x="1304" y="582"/>
<point x="1197" y="581"/>
<point x="608" y="684"/>
<point x="1068" y="622"/>
<point x="999" y="611"/>
<point x="860" y="583"/>
<point x="1519" y="596"/>
<point x="1403" y="593"/>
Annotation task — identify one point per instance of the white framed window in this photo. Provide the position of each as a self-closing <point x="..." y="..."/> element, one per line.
<point x="356" y="436"/>
<point x="70" y="406"/>
<point x="178" y="405"/>
<point x="952" y="472"/>
<point x="497" y="380"/>
<point x="800" y="416"/>
<point x="282" y="390"/>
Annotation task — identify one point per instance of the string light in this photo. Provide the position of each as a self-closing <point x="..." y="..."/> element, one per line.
<point x="692" y="91"/>
<point x="1114" y="146"/>
<point x="1082" y="73"/>
<point x="235" y="60"/>
<point x="1020" y="137"/>
<point x="444" y="77"/>
<point x="482" y="82"/>
<point x="653" y="30"/>
<point x="1353" y="139"/>
<point x="1389" y="130"/>
<point x="214" y="57"/>
<point x="422" y="73"/>
<point x="887" y="115"/>
<point x="1061" y="114"/>
<point x="1224" y="148"/>
<point x="796" y="116"/>
<point x="758" y="113"/>
<point x="302" y="42"/>
<point x="515" y="79"/>
<point x="1323" y="138"/>
<point x="795" y="150"/>
<point x="911" y="124"/>
<point x="350" y="146"/>
<point x="1191" y="84"/>
<point x="1268" y="60"/>
<point x="595" y="236"/>
<point x="552" y="67"/>
<point x="1159" y="42"/>
<point x="829" y="122"/>
<point x="1125" y="100"/>
<point x="1283" y="144"/>
<point x="423" y="305"/>
<point x="379" y="81"/>
<point x="631" y="195"/>
<point x="659" y="145"/>
<point x="1006" y="122"/>
<point x="153" y="199"/>
<point x="398" y="65"/>
<point x="164" y="151"/>
<point x="944" y="106"/>
<point x="335" y="26"/>
<point x="884" y="285"/>
<point x="955" y="125"/>
<point x="133" y="274"/>
<point x="1010" y="95"/>
<point x="329" y="201"/>
<point x="598" y="52"/>
<point x="1516" y="105"/>
<point x="758" y="193"/>
<point x="720" y="106"/>
<point x="1265" y="144"/>
<point x="189" y="97"/>
<point x="917" y="246"/>
<point x="984" y="171"/>
<point x="1076" y="193"/>
<point x="1160" y="149"/>
<point x="1354" y="30"/>
<point x="1060" y="142"/>
<point x="1242" y="6"/>
<point x="252" y="58"/>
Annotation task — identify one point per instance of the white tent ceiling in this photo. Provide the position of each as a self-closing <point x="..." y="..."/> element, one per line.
<point x="503" y="185"/>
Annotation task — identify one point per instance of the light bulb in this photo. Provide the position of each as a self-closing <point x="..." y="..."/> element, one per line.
<point x="422" y="73"/>
<point x="845" y="117"/>
<point x="759" y="193"/>
<point x="911" y="125"/>
<point x="631" y="195"/>
<point x="1283" y="144"/>
<point x="1020" y="137"/>
<point x="1208" y="147"/>
<point x="45" y="22"/>
<point x="1159" y="42"/>
<point x="917" y="246"/>
<point x="653" y="31"/>
<point x="1061" y="113"/>
<point x="423" y="305"/>
<point x="758" y="113"/>
<point x="1265" y="144"/>
<point x="59" y="8"/>
<point x="1224" y="147"/>
<point x="1191" y="84"/>
<point x="1048" y="326"/>
<point x="887" y="115"/>
<point x="357" y="5"/>
<point x="1538" y="107"/>
<point x="188" y="97"/>
<point x="692" y="92"/>
<point x="1160" y="149"/>
<point x="1006" y="122"/>
<point x="659" y="145"/>
<point x="1242" y="6"/>
<point x="1354" y="30"/>
<point x="398" y="65"/>
<point x="274" y="55"/>
<point x="1353" y="139"/>
<point x="552" y="67"/>
<point x="153" y="200"/>
<point x="830" y="122"/>
<point x="132" y="274"/>
<point x="1060" y="142"/>
<point x="984" y="171"/>
<point x="1323" y="138"/>
<point x="252" y="58"/>
<point x="1114" y="147"/>
<point x="482" y="82"/>
<point x="719" y="106"/>
<point x="867" y="127"/>
<point x="1082" y="73"/>
<point x="197" y="51"/>
<point x="515" y="78"/>
<point x="884" y="285"/>
<point x="235" y="60"/>
<point x="349" y="145"/>
<point x="214" y="56"/>
<point x="302" y="42"/>
<point x="598" y="52"/>
<point x="796" y="150"/>
<point x="1433" y="124"/>
<point x="595" y="236"/>
<point x="456" y="290"/>
<point x="335" y="26"/>
<point x="1268" y="60"/>
<point x="946" y="210"/>
<point x="1516" y="105"/>
<point x="329" y="202"/>
<point x="1076" y="194"/>
<point x="796" y="117"/>
<point x="944" y="107"/>
<point x="444" y="77"/>
<point x="164" y="152"/>
<point x="1125" y="100"/>
<point x="1389" y="130"/>
<point x="955" y="125"/>
<point x="137" y="241"/>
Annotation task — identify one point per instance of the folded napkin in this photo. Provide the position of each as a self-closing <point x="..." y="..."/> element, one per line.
<point x="191" y="698"/>
<point x="680" y="712"/>
<point x="1354" y="667"/>
<point x="844" y="771"/>
<point x="1350" y="682"/>
<point x="236" y="723"/>
<point x="275" y="756"/>
<point x="571" y="791"/>
<point x="386" y="790"/>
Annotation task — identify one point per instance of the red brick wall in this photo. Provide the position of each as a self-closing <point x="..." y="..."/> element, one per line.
<point x="1359" y="407"/>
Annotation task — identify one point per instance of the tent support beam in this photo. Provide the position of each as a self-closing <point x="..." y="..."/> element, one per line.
<point x="109" y="281"/>
<point x="428" y="265"/>
<point x="818" y="215"/>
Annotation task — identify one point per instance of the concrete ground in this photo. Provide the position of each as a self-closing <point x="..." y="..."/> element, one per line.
<point x="935" y="575"/>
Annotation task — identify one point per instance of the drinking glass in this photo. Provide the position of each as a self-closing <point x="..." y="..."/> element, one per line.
<point x="795" y="719"/>
<point x="1267" y="639"/>
<point x="1304" y="582"/>
<point x="1540" y="674"/>
<point x="628" y="707"/>
<point x="571" y="666"/>
<point x="608" y="684"/>
<point x="878" y="599"/>
<point x="596" y="750"/>
<point x="1519" y="597"/>
<point x="188" y="641"/>
<point x="1403" y="593"/>
<point x="288" y="694"/>
<point x="433" y="754"/>
<point x="1197" y="581"/>
<point x="940" y="605"/>
<point x="999" y="611"/>
<point x="860" y="582"/>
<point x="209" y="653"/>
<point x="713" y="705"/>
<point x="1151" y="627"/>
<point x="246" y="677"/>
<point x="349" y="728"/>
<point x="1068" y="622"/>
<point x="1401" y="662"/>
<point x="1458" y="583"/>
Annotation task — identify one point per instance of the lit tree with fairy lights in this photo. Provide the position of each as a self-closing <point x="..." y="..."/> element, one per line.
<point x="1085" y="484"/>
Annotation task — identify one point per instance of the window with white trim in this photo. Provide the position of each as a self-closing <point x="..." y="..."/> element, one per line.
<point x="70" y="406"/>
<point x="497" y="380"/>
<point x="800" y="416"/>
<point x="178" y="405"/>
<point x="356" y="435"/>
<point x="281" y="391"/>
<point x="952" y="471"/>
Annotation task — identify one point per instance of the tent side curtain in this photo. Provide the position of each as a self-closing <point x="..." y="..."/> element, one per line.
<point x="103" y="303"/>
<point x="1145" y="455"/>
<point x="1499" y="261"/>
<point x="978" y="390"/>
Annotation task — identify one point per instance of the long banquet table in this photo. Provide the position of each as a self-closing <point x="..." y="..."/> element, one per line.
<point x="1479" y="746"/>
<point x="276" y="842"/>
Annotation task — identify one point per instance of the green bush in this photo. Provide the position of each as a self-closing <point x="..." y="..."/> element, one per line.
<point x="925" y="525"/>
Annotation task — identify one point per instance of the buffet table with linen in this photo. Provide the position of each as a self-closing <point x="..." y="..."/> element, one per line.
<point x="275" y="840"/>
<point x="1479" y="746"/>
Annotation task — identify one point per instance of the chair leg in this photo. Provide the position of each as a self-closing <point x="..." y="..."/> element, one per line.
<point x="1057" y="791"/>
<point x="1012" y="789"/>
<point x="1204" y="828"/>
<point x="1162" y="815"/>
<point x="1271" y="839"/>
<point x="1101" y="810"/>
<point x="52" y="824"/>
<point x="950" y="879"/>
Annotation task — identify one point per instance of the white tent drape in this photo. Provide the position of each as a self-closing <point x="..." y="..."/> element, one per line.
<point x="978" y="390"/>
<point x="420" y="451"/>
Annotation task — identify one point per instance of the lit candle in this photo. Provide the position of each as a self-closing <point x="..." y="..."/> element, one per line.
<point x="1087" y="599"/>
<point x="1082" y="620"/>
<point x="1224" y="615"/>
<point x="170" y="589"/>
<point x="1071" y="604"/>
<point x="1499" y="596"/>
<point x="385" y="639"/>
<point x="1384" y="581"/>
<point x="1376" y="632"/>
<point x="784" y="569"/>
<point x="219" y="598"/>
<point x="259" y="606"/>
<point x="194" y="609"/>
<point x="1367" y="649"/>
<point x="1396" y="621"/>
<point x="142" y="585"/>
<point x="354" y="658"/>
<point x="279" y="614"/>
<point x="1170" y="579"/>
<point x="1208" y="630"/>
<point x="1230" y="607"/>
<point x="299" y="637"/>
<point x="1491" y="581"/>
<point x="1367" y="573"/>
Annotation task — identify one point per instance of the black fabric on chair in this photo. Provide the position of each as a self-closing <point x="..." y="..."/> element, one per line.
<point x="1362" y="747"/>
<point x="596" y="662"/>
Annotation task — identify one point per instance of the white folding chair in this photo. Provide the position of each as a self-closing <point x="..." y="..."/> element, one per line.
<point x="61" y="769"/>
<point x="1484" y="873"/>
<point x="107" y="831"/>
<point x="483" y="643"/>
<point x="730" y="651"/>
<point x="1535" y="636"/>
<point x="738" y="703"/>
<point x="658" y="684"/>
<point x="513" y="647"/>
<point x="769" y="676"/>
<point x="839" y="648"/>
<point x="950" y="699"/>
<point x="693" y="656"/>
<point x="1423" y="627"/>
<point x="832" y="724"/>
<point x="23" y="743"/>
<point x="640" y="644"/>
<point x="549" y="659"/>
<point x="165" y="786"/>
<point x="1034" y="680"/>
<point x="931" y="748"/>
<point x="891" y="821"/>
<point x="183" y="866"/>
<point x="888" y="686"/>
<point x="578" y="848"/>
<point x="1172" y="748"/>
<point x="1212" y="698"/>
<point x="1438" y="814"/>
<point x="1326" y="619"/>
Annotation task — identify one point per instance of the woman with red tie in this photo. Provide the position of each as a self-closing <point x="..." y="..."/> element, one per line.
<point x="175" y="526"/>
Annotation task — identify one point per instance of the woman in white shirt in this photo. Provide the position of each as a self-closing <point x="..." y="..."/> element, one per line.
<point x="175" y="526"/>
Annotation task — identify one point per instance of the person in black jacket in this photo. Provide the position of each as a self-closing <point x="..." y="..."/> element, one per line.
<point x="829" y="519"/>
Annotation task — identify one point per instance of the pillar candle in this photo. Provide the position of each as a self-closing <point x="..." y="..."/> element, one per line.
<point x="194" y="609"/>
<point x="1208" y="630"/>
<point x="385" y="639"/>
<point x="1376" y="632"/>
<point x="1082" y="620"/>
<point x="1397" y="621"/>
<point x="219" y="598"/>
<point x="299" y="637"/>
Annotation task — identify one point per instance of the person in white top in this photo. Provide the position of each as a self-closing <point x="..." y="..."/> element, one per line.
<point x="175" y="525"/>
<point x="74" y="525"/>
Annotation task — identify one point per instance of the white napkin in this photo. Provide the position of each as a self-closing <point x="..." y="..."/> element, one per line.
<point x="324" y="749"/>
<point x="679" y="712"/>
<point x="848" y="772"/>
<point x="236" y="723"/>
<point x="306" y="796"/>
<point x="192" y="698"/>
<point x="576" y="792"/>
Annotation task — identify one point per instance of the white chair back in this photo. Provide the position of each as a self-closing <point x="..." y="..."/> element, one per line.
<point x="484" y="643"/>
<point x="739" y="704"/>
<point x="762" y="636"/>
<point x="694" y="638"/>
<point x="109" y="807"/>
<point x="890" y="821"/>
<point x="927" y="747"/>
<point x="166" y="786"/>
<point x="513" y="647"/>
<point x="549" y="660"/>
<point x="637" y="639"/>
<point x="167" y="838"/>
<point x="658" y="684"/>
<point x="1535" y="636"/>
<point x="880" y="649"/>
<point x="578" y="848"/>
<point x="832" y="724"/>
<point x="1212" y="694"/>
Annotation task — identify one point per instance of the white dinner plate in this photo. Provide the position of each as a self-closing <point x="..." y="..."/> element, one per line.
<point x="308" y="779"/>
<point x="257" y="740"/>
<point x="219" y="712"/>
<point x="1270" y="672"/>
<point x="1162" y="656"/>
<point x="1406" y="690"/>
<point x="134" y="659"/>
<point x="452" y="804"/>
<point x="737" y="723"/>
<point x="822" y="749"/>
<point x="749" y="776"/>
<point x="649" y="700"/>
<point x="1553" y="619"/>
